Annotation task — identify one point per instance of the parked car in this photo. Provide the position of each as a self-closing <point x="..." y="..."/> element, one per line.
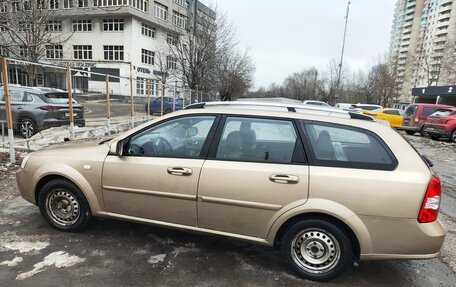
<point x="326" y="186"/>
<point x="343" y="106"/>
<point x="442" y="124"/>
<point x="316" y="103"/>
<point x="365" y="107"/>
<point x="155" y="105"/>
<point x="35" y="109"/>
<point x="416" y="115"/>
<point x="393" y="116"/>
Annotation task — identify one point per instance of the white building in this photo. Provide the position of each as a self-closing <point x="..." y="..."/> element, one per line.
<point x="423" y="44"/>
<point x="106" y="36"/>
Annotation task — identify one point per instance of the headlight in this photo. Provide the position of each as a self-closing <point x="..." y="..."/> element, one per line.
<point x="24" y="161"/>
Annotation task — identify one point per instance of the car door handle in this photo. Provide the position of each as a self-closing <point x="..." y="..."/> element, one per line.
<point x="180" y="171"/>
<point x="284" y="179"/>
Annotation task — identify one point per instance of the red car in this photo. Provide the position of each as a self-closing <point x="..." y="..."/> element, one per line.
<point x="416" y="115"/>
<point x="442" y="124"/>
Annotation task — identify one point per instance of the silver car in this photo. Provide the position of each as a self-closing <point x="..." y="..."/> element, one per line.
<point x="35" y="109"/>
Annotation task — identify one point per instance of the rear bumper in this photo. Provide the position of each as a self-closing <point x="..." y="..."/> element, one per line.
<point x="437" y="130"/>
<point x="403" y="239"/>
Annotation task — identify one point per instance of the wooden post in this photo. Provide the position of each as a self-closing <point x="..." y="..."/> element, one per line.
<point x="132" y="104"/>
<point x="148" y="99"/>
<point x="108" y="104"/>
<point x="70" y="101"/>
<point x="9" y="118"/>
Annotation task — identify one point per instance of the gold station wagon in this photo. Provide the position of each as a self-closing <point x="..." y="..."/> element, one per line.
<point x="328" y="187"/>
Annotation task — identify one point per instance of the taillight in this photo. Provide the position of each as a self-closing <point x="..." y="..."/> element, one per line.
<point x="416" y="119"/>
<point x="431" y="202"/>
<point x="51" y="108"/>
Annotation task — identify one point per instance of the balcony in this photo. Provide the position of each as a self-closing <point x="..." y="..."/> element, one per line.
<point x="411" y="4"/>
<point x="443" y="17"/>
<point x="441" y="33"/>
<point x="442" y="25"/>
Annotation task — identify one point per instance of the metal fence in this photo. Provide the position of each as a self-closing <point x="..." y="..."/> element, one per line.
<point x="28" y="123"/>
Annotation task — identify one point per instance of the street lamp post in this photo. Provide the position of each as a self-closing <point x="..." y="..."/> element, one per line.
<point x="336" y="96"/>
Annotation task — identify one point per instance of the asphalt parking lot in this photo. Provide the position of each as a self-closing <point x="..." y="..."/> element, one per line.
<point x="115" y="253"/>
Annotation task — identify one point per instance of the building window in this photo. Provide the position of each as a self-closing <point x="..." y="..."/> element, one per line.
<point x="182" y="3"/>
<point x="27" y="5"/>
<point x="15" y="6"/>
<point x="147" y="30"/>
<point x="3" y="6"/>
<point x="53" y="4"/>
<point x="25" y="26"/>
<point x="2" y="26"/>
<point x="171" y="63"/>
<point x="82" y="52"/>
<point x="54" y="52"/>
<point x="23" y="51"/>
<point x="171" y="39"/>
<point x="161" y="11"/>
<point x="141" y="86"/>
<point x="113" y="25"/>
<point x="107" y="3"/>
<point x="147" y="57"/>
<point x="83" y="3"/>
<point x="40" y="4"/>
<point x="68" y="4"/>
<point x="54" y="26"/>
<point x="113" y="53"/>
<point x="142" y="5"/>
<point x="3" y="51"/>
<point x="179" y="20"/>
<point x="82" y="25"/>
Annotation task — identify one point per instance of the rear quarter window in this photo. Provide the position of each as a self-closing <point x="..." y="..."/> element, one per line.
<point x="410" y="111"/>
<point x="347" y="147"/>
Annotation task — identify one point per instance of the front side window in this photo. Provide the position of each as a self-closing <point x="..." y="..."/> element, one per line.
<point x="344" y="146"/>
<point x="257" y="140"/>
<point x="178" y="138"/>
<point x="427" y="111"/>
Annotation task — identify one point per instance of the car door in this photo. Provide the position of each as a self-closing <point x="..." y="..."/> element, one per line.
<point x="256" y="169"/>
<point x="157" y="175"/>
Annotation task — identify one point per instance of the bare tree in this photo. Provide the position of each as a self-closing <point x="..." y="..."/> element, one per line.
<point x="28" y="31"/>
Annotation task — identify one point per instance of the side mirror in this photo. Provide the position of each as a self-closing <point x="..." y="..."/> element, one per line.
<point x="119" y="148"/>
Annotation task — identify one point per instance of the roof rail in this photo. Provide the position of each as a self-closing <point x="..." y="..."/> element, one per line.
<point x="295" y="108"/>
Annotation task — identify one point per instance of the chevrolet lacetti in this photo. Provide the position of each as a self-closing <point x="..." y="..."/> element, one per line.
<point x="328" y="187"/>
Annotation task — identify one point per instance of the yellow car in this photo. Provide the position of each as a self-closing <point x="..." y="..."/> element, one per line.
<point x="393" y="116"/>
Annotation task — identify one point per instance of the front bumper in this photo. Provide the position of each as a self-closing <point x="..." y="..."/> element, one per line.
<point x="25" y="185"/>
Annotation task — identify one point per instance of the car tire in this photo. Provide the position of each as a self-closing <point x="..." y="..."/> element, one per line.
<point x="64" y="206"/>
<point x="435" y="137"/>
<point x="423" y="133"/>
<point x="27" y="127"/>
<point x="317" y="249"/>
<point x="410" y="133"/>
<point x="453" y="136"/>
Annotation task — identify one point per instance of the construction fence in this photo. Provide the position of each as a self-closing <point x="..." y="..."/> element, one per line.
<point x="33" y="117"/>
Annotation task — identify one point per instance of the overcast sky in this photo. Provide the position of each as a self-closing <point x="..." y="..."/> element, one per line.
<point x="289" y="35"/>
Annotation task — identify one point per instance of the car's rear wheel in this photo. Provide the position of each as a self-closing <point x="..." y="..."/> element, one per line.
<point x="63" y="205"/>
<point x="423" y="133"/>
<point x="317" y="249"/>
<point x="453" y="136"/>
<point x="27" y="127"/>
<point x="411" y="133"/>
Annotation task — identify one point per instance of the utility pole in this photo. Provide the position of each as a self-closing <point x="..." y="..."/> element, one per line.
<point x="336" y="96"/>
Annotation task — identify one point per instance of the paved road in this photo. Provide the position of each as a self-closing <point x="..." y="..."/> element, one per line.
<point x="98" y="110"/>
<point x="114" y="253"/>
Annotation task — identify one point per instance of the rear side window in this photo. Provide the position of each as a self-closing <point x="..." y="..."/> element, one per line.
<point x="443" y="113"/>
<point x="392" y="112"/>
<point x="349" y="147"/>
<point x="410" y="110"/>
<point x="427" y="111"/>
<point x="57" y="98"/>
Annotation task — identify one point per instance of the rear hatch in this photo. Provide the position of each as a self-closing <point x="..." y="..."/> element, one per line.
<point x="58" y="105"/>
<point x="409" y="114"/>
<point x="441" y="117"/>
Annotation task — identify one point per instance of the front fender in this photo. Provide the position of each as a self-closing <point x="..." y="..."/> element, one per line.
<point x="93" y="194"/>
<point x="328" y="208"/>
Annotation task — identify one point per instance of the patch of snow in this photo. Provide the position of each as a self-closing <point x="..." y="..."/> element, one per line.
<point x="12" y="263"/>
<point x="23" y="244"/>
<point x="98" y="253"/>
<point x="59" y="259"/>
<point x="156" y="258"/>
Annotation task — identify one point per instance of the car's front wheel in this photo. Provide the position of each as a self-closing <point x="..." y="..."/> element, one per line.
<point x="63" y="205"/>
<point x="453" y="136"/>
<point x="317" y="249"/>
<point x="27" y="128"/>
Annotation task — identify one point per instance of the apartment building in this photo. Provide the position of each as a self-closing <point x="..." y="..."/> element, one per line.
<point x="423" y="44"/>
<point x="107" y="36"/>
